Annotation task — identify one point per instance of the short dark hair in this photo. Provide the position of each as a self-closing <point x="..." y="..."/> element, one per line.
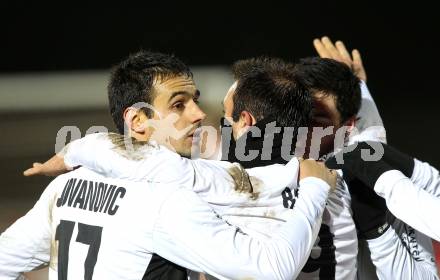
<point x="268" y="89"/>
<point x="332" y="78"/>
<point x="131" y="81"/>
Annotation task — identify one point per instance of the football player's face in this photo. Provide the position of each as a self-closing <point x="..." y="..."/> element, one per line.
<point x="324" y="115"/>
<point x="178" y="112"/>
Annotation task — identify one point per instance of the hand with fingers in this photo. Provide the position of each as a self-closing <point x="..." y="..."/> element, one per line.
<point x="53" y="167"/>
<point x="317" y="169"/>
<point x="326" y="49"/>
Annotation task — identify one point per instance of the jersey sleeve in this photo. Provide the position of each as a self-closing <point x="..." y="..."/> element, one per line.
<point x="210" y="179"/>
<point x="411" y="204"/>
<point x="26" y="244"/>
<point x="426" y="177"/>
<point x="189" y="233"/>
<point x="369" y="124"/>
<point x="393" y="260"/>
<point x="95" y="152"/>
<point x="109" y="155"/>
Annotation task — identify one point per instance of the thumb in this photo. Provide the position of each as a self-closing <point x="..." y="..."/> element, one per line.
<point x="34" y="170"/>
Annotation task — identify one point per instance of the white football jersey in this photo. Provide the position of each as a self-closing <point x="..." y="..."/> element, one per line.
<point x="265" y="198"/>
<point x="87" y="226"/>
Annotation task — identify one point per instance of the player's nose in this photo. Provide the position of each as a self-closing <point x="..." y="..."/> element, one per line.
<point x="197" y="114"/>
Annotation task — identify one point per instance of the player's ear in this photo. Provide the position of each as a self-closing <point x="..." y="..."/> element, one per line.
<point x="350" y="123"/>
<point x="135" y="120"/>
<point x="247" y="119"/>
<point x="241" y="126"/>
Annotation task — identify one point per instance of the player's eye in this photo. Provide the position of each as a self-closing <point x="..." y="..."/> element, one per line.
<point x="196" y="100"/>
<point x="178" y="105"/>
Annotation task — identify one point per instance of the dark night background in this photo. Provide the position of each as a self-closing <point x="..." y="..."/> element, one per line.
<point x="398" y="42"/>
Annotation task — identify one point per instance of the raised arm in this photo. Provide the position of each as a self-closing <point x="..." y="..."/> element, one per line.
<point x="107" y="154"/>
<point x="369" y="124"/>
<point x="116" y="156"/>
